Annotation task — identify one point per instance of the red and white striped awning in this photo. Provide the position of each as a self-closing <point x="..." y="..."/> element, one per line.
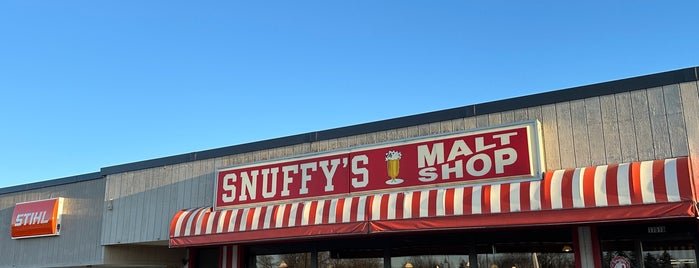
<point x="633" y="191"/>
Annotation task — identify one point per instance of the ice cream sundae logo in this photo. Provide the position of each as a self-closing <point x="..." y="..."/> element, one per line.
<point x="393" y="167"/>
<point x="620" y="262"/>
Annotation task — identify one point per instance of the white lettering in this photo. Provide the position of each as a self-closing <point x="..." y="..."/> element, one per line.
<point x="229" y="188"/>
<point x="266" y="191"/>
<point x="329" y="173"/>
<point x="363" y="180"/>
<point x="459" y="148"/>
<point x="470" y="165"/>
<point x="287" y="179"/>
<point x="425" y="157"/>
<point x="504" y="157"/>
<point x="305" y="177"/>
<point x="248" y="185"/>
<point x="427" y="174"/>
<point x="505" y="137"/>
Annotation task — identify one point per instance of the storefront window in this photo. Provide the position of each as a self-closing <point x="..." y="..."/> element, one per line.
<point x="656" y="245"/>
<point x="430" y="261"/>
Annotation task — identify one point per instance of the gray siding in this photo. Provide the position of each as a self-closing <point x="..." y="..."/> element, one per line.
<point x="629" y="126"/>
<point x="79" y="241"/>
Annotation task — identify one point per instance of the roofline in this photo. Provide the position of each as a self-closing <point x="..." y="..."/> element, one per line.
<point x="551" y="97"/>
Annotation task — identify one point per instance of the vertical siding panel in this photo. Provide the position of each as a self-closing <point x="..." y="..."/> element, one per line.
<point x="470" y="123"/>
<point x="508" y="117"/>
<point x="423" y="129"/>
<point x="595" y="131"/>
<point x="658" y="123"/>
<point x="151" y="203"/>
<point x="581" y="141"/>
<point x="494" y="119"/>
<point x="446" y="126"/>
<point x="690" y="109"/>
<point x="641" y="119"/>
<point x="458" y="124"/>
<point x="171" y="189"/>
<point x="610" y="129"/>
<point x="629" y="151"/>
<point x="550" y="132"/>
<point x="482" y="121"/>
<point x="675" y="121"/>
<point x="119" y="207"/>
<point x="520" y="115"/>
<point x="565" y="135"/>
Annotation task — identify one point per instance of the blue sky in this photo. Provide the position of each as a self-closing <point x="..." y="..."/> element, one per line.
<point x="91" y="84"/>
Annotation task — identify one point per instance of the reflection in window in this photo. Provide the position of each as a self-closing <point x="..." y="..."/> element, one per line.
<point x="430" y="261"/>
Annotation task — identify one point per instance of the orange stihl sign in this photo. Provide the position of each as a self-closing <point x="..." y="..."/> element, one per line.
<point x="37" y="218"/>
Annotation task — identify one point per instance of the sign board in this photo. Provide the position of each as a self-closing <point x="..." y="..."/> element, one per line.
<point x="37" y="218"/>
<point x="496" y="153"/>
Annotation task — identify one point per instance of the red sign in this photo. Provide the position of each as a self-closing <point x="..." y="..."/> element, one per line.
<point x="37" y="218"/>
<point x="505" y="152"/>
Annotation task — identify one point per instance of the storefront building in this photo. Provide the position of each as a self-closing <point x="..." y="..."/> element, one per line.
<point x="594" y="176"/>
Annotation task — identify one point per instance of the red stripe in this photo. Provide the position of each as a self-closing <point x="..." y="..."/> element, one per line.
<point x="505" y="197"/>
<point x="635" y="182"/>
<point x="183" y="230"/>
<point x="449" y="201"/>
<point x="226" y="221"/>
<point x="612" y="186"/>
<point x="299" y="214"/>
<point x="596" y="252"/>
<point x="485" y="199"/>
<point x="339" y="209"/>
<point x="287" y="216"/>
<point x="545" y="191"/>
<point x="370" y="207"/>
<point x="273" y="217"/>
<point x="659" y="186"/>
<point x="589" y="187"/>
<point x="524" y="199"/>
<point x="576" y="246"/>
<point x="204" y="222"/>
<point x="263" y="217"/>
<point x="415" y="213"/>
<point x="249" y="220"/>
<point x="400" y="210"/>
<point x="326" y="211"/>
<point x="567" y="188"/>
<point x="432" y="203"/>
<point x="173" y="223"/>
<point x="238" y="219"/>
<point x="384" y="206"/>
<point x="468" y="201"/>
<point x="353" y="209"/>
<point x="684" y="178"/>
<point x="312" y="212"/>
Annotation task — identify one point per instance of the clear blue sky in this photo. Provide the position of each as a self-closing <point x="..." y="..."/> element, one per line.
<point x="91" y="84"/>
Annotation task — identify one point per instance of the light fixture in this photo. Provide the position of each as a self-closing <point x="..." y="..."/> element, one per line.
<point x="567" y="248"/>
<point x="408" y="265"/>
<point x="283" y="264"/>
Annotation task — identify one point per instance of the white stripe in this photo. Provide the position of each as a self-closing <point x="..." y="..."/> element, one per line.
<point x="622" y="182"/>
<point x="293" y="215"/>
<point x="440" y="202"/>
<point x="424" y="203"/>
<point x="188" y="227"/>
<point x="319" y="211"/>
<point x="306" y="216"/>
<point x="221" y="221"/>
<point x="601" y="186"/>
<point x="476" y="200"/>
<point x="231" y="222"/>
<point x="346" y="210"/>
<point x="200" y="222"/>
<point x="179" y="224"/>
<point x="408" y="205"/>
<point x="280" y="215"/>
<point x="333" y="211"/>
<point x="495" y="198"/>
<point x="515" y="201"/>
<point x="243" y="220"/>
<point x="459" y="201"/>
<point x="671" y="181"/>
<point x="210" y="222"/>
<point x="647" y="189"/>
<point x="556" y="189"/>
<point x="392" y="206"/>
<point x="578" y="194"/>
<point x="361" y="209"/>
<point x="376" y="207"/>
<point x="268" y="217"/>
<point x="535" y="195"/>
<point x="256" y="218"/>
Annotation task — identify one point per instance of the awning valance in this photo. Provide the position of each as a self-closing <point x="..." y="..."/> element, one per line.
<point x="632" y="191"/>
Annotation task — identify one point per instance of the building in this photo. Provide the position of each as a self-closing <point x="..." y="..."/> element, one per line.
<point x="594" y="176"/>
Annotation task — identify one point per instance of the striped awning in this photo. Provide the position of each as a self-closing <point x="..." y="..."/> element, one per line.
<point x="619" y="192"/>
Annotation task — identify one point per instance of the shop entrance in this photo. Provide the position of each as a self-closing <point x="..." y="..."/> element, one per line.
<point x="651" y="245"/>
